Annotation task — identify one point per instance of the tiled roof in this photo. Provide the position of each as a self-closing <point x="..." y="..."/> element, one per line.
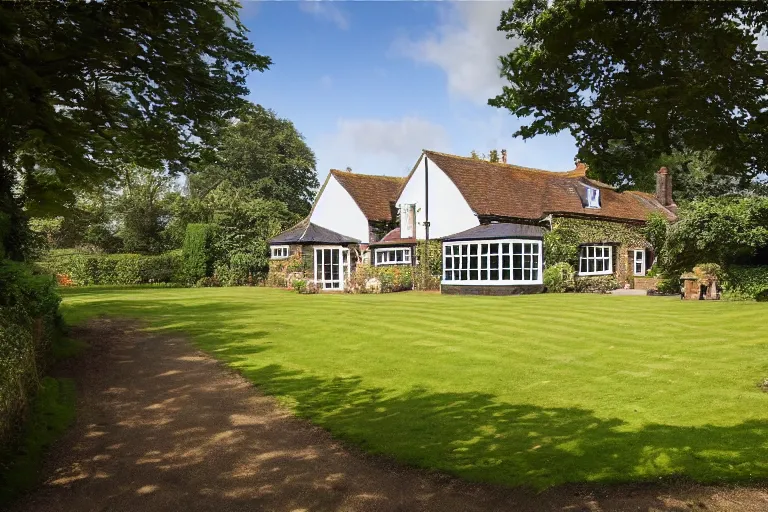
<point x="306" y="232"/>
<point x="498" y="230"/>
<point x="373" y="194"/>
<point x="503" y="190"/>
<point x="394" y="238"/>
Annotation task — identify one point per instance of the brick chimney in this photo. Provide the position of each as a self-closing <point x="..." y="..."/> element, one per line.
<point x="664" y="188"/>
<point x="503" y="156"/>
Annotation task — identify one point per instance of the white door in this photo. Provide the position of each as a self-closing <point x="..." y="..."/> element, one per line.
<point x="639" y="262"/>
<point x="331" y="267"/>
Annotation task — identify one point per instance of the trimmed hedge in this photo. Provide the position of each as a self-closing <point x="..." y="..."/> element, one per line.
<point x="28" y="323"/>
<point x="117" y="269"/>
<point x="198" y="252"/>
<point x="746" y="283"/>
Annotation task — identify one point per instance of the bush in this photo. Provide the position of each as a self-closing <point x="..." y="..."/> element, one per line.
<point x="392" y="278"/>
<point x="305" y="287"/>
<point x="745" y="283"/>
<point x="119" y="269"/>
<point x="197" y="252"/>
<point x="559" y="278"/>
<point x="596" y="284"/>
<point x="28" y="323"/>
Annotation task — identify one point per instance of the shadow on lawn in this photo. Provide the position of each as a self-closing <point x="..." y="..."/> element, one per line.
<point x="473" y="435"/>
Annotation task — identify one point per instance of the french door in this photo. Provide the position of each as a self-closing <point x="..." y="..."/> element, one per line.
<point x="639" y="261"/>
<point x="331" y="267"/>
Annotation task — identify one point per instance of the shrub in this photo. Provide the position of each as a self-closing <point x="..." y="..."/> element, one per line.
<point x="392" y="278"/>
<point x="596" y="284"/>
<point x="745" y="283"/>
<point x="197" y="252"/>
<point x="559" y="278"/>
<point x="119" y="269"/>
<point x="305" y="287"/>
<point x="28" y="323"/>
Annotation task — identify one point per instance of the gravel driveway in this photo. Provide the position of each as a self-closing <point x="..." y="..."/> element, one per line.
<point x="162" y="426"/>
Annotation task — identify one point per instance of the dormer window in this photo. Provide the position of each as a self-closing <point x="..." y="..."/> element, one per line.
<point x="593" y="197"/>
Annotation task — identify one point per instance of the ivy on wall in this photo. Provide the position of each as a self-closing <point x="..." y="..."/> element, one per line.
<point x="561" y="244"/>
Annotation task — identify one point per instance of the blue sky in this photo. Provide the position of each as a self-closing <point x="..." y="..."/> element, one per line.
<point x="369" y="84"/>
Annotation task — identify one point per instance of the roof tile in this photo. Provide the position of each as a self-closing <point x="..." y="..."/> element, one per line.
<point x="373" y="194"/>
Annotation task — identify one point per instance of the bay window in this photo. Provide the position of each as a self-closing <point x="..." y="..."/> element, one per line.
<point x="492" y="262"/>
<point x="393" y="256"/>
<point x="596" y="260"/>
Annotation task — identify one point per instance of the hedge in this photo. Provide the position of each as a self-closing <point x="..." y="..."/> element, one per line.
<point x="117" y="269"/>
<point x="746" y="283"/>
<point x="392" y="278"/>
<point x="28" y="323"/>
<point x="198" y="252"/>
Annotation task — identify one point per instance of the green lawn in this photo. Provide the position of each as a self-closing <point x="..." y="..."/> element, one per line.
<point x="533" y="390"/>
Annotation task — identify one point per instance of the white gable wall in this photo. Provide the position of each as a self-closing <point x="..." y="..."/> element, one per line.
<point x="449" y="212"/>
<point x="336" y="210"/>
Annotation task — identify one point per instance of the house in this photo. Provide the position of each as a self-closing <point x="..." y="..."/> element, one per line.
<point x="455" y="197"/>
<point x="350" y="211"/>
<point x="490" y="219"/>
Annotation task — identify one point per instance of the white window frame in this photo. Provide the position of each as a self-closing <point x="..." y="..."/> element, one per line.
<point x="344" y="268"/>
<point x="641" y="260"/>
<point x="280" y="249"/>
<point x="528" y="262"/>
<point x="388" y="256"/>
<point x="590" y="252"/>
<point x="593" y="197"/>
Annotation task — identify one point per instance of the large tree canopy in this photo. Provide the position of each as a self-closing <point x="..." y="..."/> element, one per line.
<point x="633" y="81"/>
<point x="261" y="156"/>
<point x="83" y="84"/>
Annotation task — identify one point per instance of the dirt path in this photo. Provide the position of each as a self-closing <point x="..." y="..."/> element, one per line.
<point x="162" y="426"/>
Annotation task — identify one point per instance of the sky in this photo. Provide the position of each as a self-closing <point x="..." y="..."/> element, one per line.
<point x="371" y="84"/>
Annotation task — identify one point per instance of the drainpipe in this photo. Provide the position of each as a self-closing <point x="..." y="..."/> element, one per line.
<point x="426" y="210"/>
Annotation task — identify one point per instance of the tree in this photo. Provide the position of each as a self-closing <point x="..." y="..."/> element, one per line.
<point x="493" y="156"/>
<point x="633" y="81"/>
<point x="83" y="84"/>
<point x="143" y="209"/>
<point x="261" y="156"/>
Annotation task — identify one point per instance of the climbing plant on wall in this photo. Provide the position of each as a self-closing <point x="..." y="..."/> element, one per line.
<point x="561" y="244"/>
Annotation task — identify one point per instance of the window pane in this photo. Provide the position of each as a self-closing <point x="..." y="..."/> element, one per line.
<point x="599" y="265"/>
<point x="517" y="274"/>
<point x="526" y="261"/>
<point x="494" y="248"/>
<point x="494" y="264"/>
<point x="473" y="275"/>
<point x="484" y="249"/>
<point x="535" y="262"/>
<point x="527" y="274"/>
<point x="463" y="275"/>
<point x="505" y="274"/>
<point x="590" y="265"/>
<point x="583" y="265"/>
<point x="484" y="275"/>
<point x="448" y="263"/>
<point x="517" y="261"/>
<point x="464" y="249"/>
<point x="505" y="248"/>
<point x="473" y="262"/>
<point x="535" y="274"/>
<point x="448" y="275"/>
<point x="591" y="252"/>
<point x="494" y="274"/>
<point x="517" y="248"/>
<point x="505" y="261"/>
<point x="473" y="249"/>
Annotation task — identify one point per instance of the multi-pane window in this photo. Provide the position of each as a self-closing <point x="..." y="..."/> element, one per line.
<point x="279" y="252"/>
<point x="492" y="262"/>
<point x="596" y="260"/>
<point x="399" y="256"/>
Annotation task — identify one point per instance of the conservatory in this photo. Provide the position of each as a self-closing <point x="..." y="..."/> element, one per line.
<point x="493" y="259"/>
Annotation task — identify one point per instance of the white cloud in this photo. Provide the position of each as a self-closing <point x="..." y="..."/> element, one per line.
<point x="326" y="10"/>
<point x="376" y="146"/>
<point x="466" y="46"/>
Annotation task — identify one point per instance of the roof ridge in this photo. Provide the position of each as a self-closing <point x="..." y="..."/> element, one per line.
<point x="500" y="164"/>
<point x="350" y="173"/>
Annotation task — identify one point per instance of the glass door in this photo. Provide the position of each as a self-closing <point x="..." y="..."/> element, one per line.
<point x="331" y="267"/>
<point x="639" y="262"/>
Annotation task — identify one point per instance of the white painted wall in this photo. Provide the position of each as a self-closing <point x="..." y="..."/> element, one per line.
<point x="449" y="212"/>
<point x="337" y="211"/>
